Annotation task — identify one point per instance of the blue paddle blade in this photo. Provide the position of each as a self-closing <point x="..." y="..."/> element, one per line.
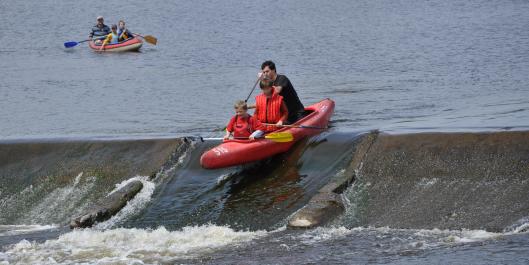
<point x="70" y="44"/>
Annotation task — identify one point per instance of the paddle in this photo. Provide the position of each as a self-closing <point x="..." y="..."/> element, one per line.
<point x="279" y="137"/>
<point x="71" y="44"/>
<point x="254" y="86"/>
<point x="297" y="126"/>
<point x="148" y="38"/>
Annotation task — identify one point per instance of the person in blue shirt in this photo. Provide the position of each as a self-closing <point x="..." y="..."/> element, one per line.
<point x="123" y="32"/>
<point x="99" y="31"/>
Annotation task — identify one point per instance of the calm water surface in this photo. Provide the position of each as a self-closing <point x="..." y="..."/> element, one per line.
<point x="392" y="65"/>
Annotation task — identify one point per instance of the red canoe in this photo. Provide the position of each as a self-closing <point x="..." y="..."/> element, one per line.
<point x="133" y="44"/>
<point x="237" y="152"/>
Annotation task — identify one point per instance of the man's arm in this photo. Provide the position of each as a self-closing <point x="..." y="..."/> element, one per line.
<point x="281" y="82"/>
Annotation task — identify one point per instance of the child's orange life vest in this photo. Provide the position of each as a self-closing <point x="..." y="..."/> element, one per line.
<point x="243" y="127"/>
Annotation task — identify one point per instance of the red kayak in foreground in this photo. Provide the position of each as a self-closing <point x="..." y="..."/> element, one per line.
<point x="237" y="152"/>
<point x="133" y="44"/>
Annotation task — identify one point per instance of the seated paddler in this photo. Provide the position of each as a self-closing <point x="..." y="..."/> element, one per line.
<point x="243" y="125"/>
<point x="123" y="32"/>
<point x="270" y="107"/>
<point x="99" y="31"/>
<point x="111" y="38"/>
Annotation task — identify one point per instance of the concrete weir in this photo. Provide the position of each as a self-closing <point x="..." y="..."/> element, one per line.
<point x="431" y="180"/>
<point x="76" y="176"/>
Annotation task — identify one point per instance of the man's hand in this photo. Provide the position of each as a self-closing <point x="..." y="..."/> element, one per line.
<point x="277" y="88"/>
<point x="279" y="123"/>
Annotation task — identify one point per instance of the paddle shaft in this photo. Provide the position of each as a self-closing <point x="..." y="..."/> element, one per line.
<point x="296" y="126"/>
<point x="219" y="138"/>
<point x="280" y="137"/>
<point x="72" y="44"/>
<point x="254" y="86"/>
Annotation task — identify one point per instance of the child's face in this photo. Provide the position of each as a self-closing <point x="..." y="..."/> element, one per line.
<point x="240" y="111"/>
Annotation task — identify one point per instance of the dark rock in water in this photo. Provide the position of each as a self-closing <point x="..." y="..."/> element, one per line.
<point x="321" y="209"/>
<point x="327" y="204"/>
<point x="108" y="206"/>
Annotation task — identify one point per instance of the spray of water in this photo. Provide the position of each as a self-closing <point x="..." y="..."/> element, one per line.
<point x="128" y="246"/>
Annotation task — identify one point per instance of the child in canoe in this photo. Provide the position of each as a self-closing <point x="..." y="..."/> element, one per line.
<point x="111" y="38"/>
<point x="123" y="32"/>
<point x="243" y="125"/>
<point x="270" y="107"/>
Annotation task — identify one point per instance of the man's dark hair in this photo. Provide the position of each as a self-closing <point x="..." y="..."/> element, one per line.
<point x="270" y="65"/>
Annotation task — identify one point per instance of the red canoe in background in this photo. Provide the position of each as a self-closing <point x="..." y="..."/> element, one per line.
<point x="237" y="152"/>
<point x="133" y="44"/>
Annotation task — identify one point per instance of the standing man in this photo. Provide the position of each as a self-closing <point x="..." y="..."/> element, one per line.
<point x="99" y="31"/>
<point x="282" y="85"/>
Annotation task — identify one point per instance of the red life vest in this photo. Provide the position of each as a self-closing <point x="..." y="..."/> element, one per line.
<point x="269" y="109"/>
<point x="241" y="127"/>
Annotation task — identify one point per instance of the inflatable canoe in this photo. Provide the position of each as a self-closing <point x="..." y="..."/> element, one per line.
<point x="132" y="44"/>
<point x="237" y="152"/>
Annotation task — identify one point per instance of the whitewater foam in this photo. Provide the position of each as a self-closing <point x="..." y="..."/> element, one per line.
<point x="44" y="207"/>
<point x="10" y="230"/>
<point x="224" y="177"/>
<point x="128" y="246"/>
<point x="61" y="201"/>
<point x="400" y="238"/>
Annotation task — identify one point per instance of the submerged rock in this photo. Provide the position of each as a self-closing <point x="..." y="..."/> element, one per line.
<point x="321" y="209"/>
<point x="108" y="206"/>
<point x="328" y="204"/>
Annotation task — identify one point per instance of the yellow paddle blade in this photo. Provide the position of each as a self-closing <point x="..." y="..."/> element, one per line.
<point x="150" y="39"/>
<point x="280" y="137"/>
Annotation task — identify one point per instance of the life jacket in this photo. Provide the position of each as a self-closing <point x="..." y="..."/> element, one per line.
<point x="124" y="33"/>
<point x="115" y="38"/>
<point x="269" y="109"/>
<point x="241" y="127"/>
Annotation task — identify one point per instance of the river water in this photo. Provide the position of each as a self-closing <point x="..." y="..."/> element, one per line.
<point x="391" y="65"/>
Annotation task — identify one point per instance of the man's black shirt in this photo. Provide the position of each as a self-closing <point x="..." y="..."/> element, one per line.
<point x="290" y="96"/>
